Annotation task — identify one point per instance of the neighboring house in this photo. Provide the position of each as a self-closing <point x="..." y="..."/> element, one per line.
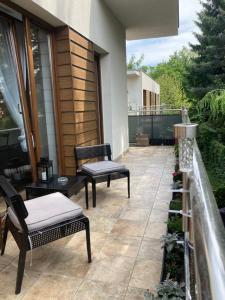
<point x="63" y="71"/>
<point x="143" y="91"/>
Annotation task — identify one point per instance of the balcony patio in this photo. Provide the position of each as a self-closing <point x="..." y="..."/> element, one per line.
<point x="125" y="236"/>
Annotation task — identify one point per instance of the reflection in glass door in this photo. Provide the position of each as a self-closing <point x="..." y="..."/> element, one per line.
<point x="14" y="158"/>
<point x="43" y="80"/>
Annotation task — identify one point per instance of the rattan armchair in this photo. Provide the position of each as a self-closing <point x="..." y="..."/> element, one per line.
<point x="102" y="170"/>
<point x="40" y="221"/>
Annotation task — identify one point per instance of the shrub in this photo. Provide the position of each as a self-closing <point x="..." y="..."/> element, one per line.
<point x="220" y="196"/>
<point x="170" y="242"/>
<point x="168" y="289"/>
<point x="174" y="224"/>
<point x="176" y="204"/>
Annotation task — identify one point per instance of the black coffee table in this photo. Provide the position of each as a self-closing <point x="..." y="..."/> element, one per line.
<point x="73" y="186"/>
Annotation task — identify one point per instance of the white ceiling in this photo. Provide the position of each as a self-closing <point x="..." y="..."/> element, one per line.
<point x="146" y="18"/>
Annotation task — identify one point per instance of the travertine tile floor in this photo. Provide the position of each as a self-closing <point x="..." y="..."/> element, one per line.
<point x="125" y="235"/>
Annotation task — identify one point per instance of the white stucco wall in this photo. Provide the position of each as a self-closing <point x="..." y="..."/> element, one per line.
<point x="94" y="20"/>
<point x="134" y="91"/>
<point x="149" y="84"/>
<point x="137" y="82"/>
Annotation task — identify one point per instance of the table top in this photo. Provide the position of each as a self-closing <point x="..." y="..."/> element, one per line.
<point x="55" y="185"/>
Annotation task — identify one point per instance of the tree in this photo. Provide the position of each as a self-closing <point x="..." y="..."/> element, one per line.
<point x="177" y="67"/>
<point x="170" y="75"/>
<point x="171" y="92"/>
<point x="135" y="63"/>
<point x="208" y="69"/>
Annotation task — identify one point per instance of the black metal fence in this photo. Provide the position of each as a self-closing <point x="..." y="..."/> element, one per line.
<point x="159" y="128"/>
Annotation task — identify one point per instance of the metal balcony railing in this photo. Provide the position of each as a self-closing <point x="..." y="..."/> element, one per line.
<point x="204" y="234"/>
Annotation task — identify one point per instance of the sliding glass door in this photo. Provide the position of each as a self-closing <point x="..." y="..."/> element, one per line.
<point x="40" y="41"/>
<point x="14" y="155"/>
<point x="27" y="114"/>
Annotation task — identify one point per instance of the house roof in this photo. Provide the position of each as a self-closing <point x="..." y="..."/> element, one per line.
<point x="146" y="18"/>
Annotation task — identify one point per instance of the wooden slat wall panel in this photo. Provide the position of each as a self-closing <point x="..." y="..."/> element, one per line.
<point x="157" y="99"/>
<point x="148" y="100"/>
<point x="152" y="99"/>
<point x="77" y="93"/>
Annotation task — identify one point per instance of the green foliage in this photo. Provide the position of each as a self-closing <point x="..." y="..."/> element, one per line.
<point x="171" y="289"/>
<point x="176" y="66"/>
<point x="171" y="92"/>
<point x="167" y="290"/>
<point x="174" y="224"/>
<point x="170" y="75"/>
<point x="220" y="196"/>
<point x="207" y="71"/>
<point x="137" y="64"/>
<point x="213" y="103"/>
<point x="176" y="205"/>
<point x="176" y="150"/>
<point x="169" y="241"/>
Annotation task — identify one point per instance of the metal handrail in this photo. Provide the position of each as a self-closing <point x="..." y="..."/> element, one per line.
<point x="204" y="231"/>
<point x="149" y="110"/>
<point x="208" y="234"/>
<point x="9" y="130"/>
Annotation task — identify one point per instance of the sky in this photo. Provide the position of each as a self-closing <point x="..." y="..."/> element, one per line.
<point x="159" y="50"/>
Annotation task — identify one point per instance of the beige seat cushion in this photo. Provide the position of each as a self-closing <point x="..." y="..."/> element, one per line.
<point x="47" y="210"/>
<point x="102" y="167"/>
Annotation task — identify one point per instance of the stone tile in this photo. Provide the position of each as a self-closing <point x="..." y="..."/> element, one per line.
<point x="151" y="249"/>
<point x="113" y="269"/>
<point x="101" y="224"/>
<point x="109" y="211"/>
<point x="164" y="195"/>
<point x="97" y="290"/>
<point x="140" y="202"/>
<point x="78" y="243"/>
<point x="120" y="254"/>
<point x="146" y="274"/>
<point x="5" y="261"/>
<point x="40" y="258"/>
<point x="155" y="230"/>
<point x="135" y="293"/>
<point x="8" y="282"/>
<point x="53" y="287"/>
<point x="158" y="215"/>
<point x="123" y="246"/>
<point x="162" y="205"/>
<point x="113" y="201"/>
<point x="135" y="214"/>
<point x="145" y="189"/>
<point x="129" y="228"/>
<point x="69" y="263"/>
<point x="2" y="205"/>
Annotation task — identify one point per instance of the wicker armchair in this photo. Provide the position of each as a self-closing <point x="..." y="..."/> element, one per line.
<point x="102" y="170"/>
<point x="40" y="221"/>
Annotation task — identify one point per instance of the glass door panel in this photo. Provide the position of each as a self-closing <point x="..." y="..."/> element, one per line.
<point x="14" y="157"/>
<point x="40" y="40"/>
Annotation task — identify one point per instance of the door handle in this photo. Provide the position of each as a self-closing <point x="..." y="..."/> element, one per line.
<point x="19" y="109"/>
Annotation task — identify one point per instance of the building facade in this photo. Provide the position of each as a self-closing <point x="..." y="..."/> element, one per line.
<point x="142" y="91"/>
<point x="63" y="75"/>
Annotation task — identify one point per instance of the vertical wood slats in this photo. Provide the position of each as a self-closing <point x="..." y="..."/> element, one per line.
<point x="77" y="93"/>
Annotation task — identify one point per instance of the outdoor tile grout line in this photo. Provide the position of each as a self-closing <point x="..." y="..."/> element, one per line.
<point x="143" y="236"/>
